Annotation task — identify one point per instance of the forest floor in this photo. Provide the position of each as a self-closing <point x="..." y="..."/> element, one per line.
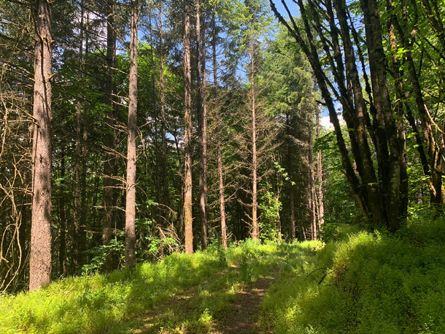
<point x="360" y="282"/>
<point x="221" y="304"/>
<point x="214" y="291"/>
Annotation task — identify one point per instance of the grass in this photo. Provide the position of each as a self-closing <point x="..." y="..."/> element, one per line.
<point x="177" y="294"/>
<point x="369" y="283"/>
<point x="362" y="283"/>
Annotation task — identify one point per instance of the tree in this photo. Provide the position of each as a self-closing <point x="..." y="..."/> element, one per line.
<point x="40" y="256"/>
<point x="130" y="203"/>
<point x="188" y="128"/>
<point x="380" y="184"/>
<point x="109" y="181"/>
<point x="202" y="115"/>
<point x="288" y="94"/>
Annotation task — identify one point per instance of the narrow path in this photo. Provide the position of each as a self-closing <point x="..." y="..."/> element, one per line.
<point x="239" y="314"/>
<point x="242" y="316"/>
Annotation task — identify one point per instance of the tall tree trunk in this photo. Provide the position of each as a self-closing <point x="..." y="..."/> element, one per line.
<point x="62" y="216"/>
<point x="319" y="180"/>
<point x="356" y="119"/>
<point x="384" y="201"/>
<point x="222" y="209"/>
<point x="291" y="172"/>
<point x="188" y="128"/>
<point x="109" y="201"/>
<point x="80" y="160"/>
<point x="391" y="148"/>
<point x="202" y="108"/>
<point x="40" y="248"/>
<point x="164" y="184"/>
<point x="222" y="204"/>
<point x="431" y="159"/>
<point x="293" y="220"/>
<point x="255" y="233"/>
<point x="311" y="183"/>
<point x="130" y="203"/>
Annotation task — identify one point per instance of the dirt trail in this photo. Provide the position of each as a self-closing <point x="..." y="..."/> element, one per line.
<point x="242" y="316"/>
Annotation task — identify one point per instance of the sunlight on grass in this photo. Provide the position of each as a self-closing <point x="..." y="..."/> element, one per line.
<point x="366" y="283"/>
<point x="207" y="281"/>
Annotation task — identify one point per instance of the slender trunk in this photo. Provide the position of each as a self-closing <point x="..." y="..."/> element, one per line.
<point x="62" y="215"/>
<point x="222" y="205"/>
<point x="109" y="202"/>
<point x="79" y="163"/>
<point x="291" y="173"/>
<point x="319" y="181"/>
<point x="357" y="121"/>
<point x="40" y="247"/>
<point x="255" y="233"/>
<point x="188" y="127"/>
<point x="292" y="214"/>
<point x="311" y="50"/>
<point x="130" y="203"/>
<point x="202" y="108"/>
<point x="431" y="159"/>
<point x="311" y="187"/>
<point x="164" y="184"/>
<point x="222" y="209"/>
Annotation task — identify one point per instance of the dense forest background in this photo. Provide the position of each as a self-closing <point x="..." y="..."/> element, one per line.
<point x="230" y="139"/>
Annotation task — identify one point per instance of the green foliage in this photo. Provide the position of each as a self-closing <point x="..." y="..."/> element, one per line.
<point x="270" y="207"/>
<point x="335" y="232"/>
<point x="339" y="202"/>
<point x="100" y="303"/>
<point x="114" y="249"/>
<point x="116" y="302"/>
<point x="370" y="283"/>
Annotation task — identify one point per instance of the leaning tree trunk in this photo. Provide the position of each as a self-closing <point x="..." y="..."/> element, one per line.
<point x="130" y="203"/>
<point x="40" y="256"/>
<point x="188" y="128"/>
<point x="381" y="195"/>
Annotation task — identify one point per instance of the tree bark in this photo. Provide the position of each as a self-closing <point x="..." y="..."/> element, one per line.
<point x="293" y="220"/>
<point x="202" y="114"/>
<point x="188" y="128"/>
<point x="319" y="180"/>
<point x="163" y="165"/>
<point x="431" y="158"/>
<point x="130" y="202"/>
<point x="255" y="233"/>
<point x="222" y="210"/>
<point x="79" y="213"/>
<point x="391" y="141"/>
<point x="356" y="119"/>
<point x="40" y="248"/>
<point x="109" y="165"/>
<point x="222" y="204"/>
<point x="62" y="216"/>
<point x="382" y="196"/>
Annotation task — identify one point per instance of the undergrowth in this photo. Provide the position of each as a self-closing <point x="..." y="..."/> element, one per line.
<point x="122" y="300"/>
<point x="370" y="283"/>
<point x="364" y="283"/>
